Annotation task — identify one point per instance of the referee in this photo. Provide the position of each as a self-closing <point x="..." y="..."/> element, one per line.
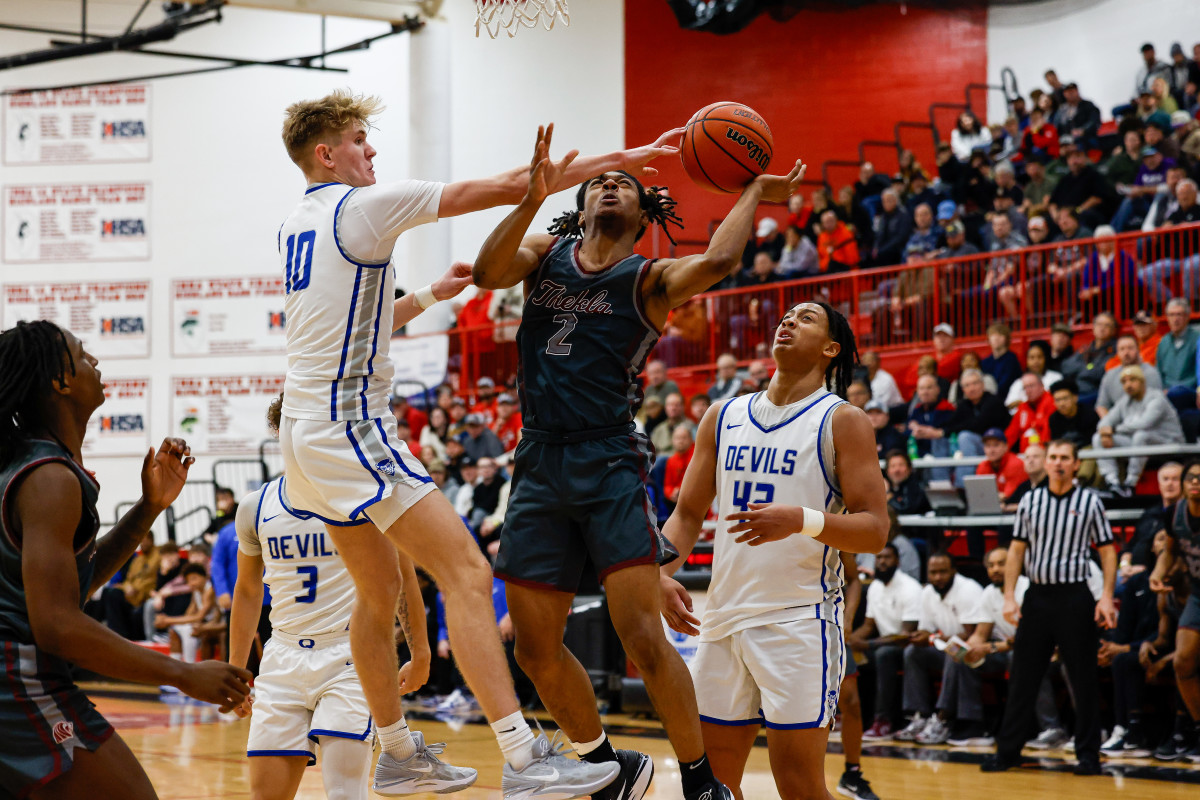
<point x="1056" y="525"/>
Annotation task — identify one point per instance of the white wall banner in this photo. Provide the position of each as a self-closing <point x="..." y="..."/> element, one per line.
<point x="223" y="414"/>
<point x="76" y="222"/>
<point x="111" y="318"/>
<point x="120" y="427"/>
<point x="227" y="316"/>
<point x="421" y="358"/>
<point x="90" y="125"/>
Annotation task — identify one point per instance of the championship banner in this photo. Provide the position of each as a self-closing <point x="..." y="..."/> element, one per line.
<point x="111" y="318"/>
<point x="120" y="427"/>
<point x="223" y="414"/>
<point x="227" y="316"/>
<point x="421" y="359"/>
<point x="76" y="222"/>
<point x="91" y="125"/>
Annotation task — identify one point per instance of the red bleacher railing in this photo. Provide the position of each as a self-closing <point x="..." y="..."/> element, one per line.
<point x="893" y="310"/>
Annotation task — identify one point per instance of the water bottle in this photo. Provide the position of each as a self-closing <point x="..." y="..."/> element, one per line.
<point x="954" y="445"/>
<point x="912" y="448"/>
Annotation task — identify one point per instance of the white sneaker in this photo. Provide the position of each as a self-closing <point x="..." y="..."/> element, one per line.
<point x="420" y="772"/>
<point x="1118" y="735"/>
<point x="1050" y="739"/>
<point x="552" y="775"/>
<point x="936" y="731"/>
<point x="912" y="730"/>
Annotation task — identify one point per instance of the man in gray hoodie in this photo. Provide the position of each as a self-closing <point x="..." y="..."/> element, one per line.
<point x="1139" y="418"/>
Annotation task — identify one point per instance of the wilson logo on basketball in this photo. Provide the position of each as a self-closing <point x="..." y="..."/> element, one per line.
<point x="753" y="151"/>
<point x="63" y="731"/>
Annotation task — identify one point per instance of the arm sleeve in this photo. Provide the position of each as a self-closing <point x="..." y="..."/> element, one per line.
<point x="247" y="530"/>
<point x="370" y="218"/>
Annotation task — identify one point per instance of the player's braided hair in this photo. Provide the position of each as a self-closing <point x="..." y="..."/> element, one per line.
<point x="659" y="207"/>
<point x="840" y="372"/>
<point x="33" y="355"/>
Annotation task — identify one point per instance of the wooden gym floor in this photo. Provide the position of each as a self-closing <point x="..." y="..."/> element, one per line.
<point x="191" y="753"/>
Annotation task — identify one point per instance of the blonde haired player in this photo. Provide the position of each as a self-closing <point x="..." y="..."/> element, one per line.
<point x="784" y="465"/>
<point x="344" y="462"/>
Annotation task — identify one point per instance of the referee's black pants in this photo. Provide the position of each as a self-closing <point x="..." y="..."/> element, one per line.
<point x="1061" y="615"/>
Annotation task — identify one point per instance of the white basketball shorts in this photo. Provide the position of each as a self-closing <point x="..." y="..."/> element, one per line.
<point x="346" y="473"/>
<point x="783" y="675"/>
<point x="306" y="688"/>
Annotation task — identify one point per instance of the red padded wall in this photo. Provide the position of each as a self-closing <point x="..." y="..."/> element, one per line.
<point x="823" y="81"/>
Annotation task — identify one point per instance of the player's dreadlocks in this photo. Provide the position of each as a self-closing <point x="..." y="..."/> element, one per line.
<point x="840" y="371"/>
<point x="659" y="207"/>
<point x="33" y="356"/>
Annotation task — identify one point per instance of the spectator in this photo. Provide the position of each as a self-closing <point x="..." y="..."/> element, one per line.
<point x="760" y="273"/>
<point x="1186" y="245"/>
<point x="727" y="383"/>
<point x="1074" y="423"/>
<point x="1007" y="467"/>
<point x="697" y="406"/>
<point x="949" y="359"/>
<point x="1078" y="117"/>
<point x="663" y="436"/>
<point x="892" y="613"/>
<point x="1127" y="356"/>
<point x="770" y="240"/>
<point x="478" y="442"/>
<point x="464" y="501"/>
<point x="657" y="383"/>
<point x="925" y="236"/>
<point x="999" y="282"/>
<point x="1110" y="277"/>
<point x="1161" y="88"/>
<point x="1151" y="68"/>
<point x="1158" y="135"/>
<point x="682" y="445"/>
<point x="122" y="602"/>
<point x="949" y="607"/>
<point x="911" y="293"/>
<point x="977" y="412"/>
<point x="836" y="249"/>
<point x="869" y="186"/>
<point x="905" y="495"/>
<point x="892" y="229"/>
<point x="1006" y="141"/>
<point x="822" y="201"/>
<point x="1061" y="347"/>
<point x="920" y="193"/>
<point x="458" y="413"/>
<point x="1121" y="168"/>
<point x="485" y="494"/>
<point x="1165" y="203"/>
<point x="454" y="458"/>
<point x="883" y="385"/>
<point x="472" y="317"/>
<point x="437" y="432"/>
<point x="651" y="416"/>
<point x="485" y="400"/>
<point x="1187" y="133"/>
<point x="1034" y="459"/>
<point x="1137" y="555"/>
<point x="1180" y="71"/>
<point x="968" y="135"/>
<point x="437" y="473"/>
<point x="1137" y="419"/>
<point x="505" y="310"/>
<point x="798" y="214"/>
<point x="1176" y="361"/>
<point x="686" y="330"/>
<point x="887" y="438"/>
<point x="858" y="393"/>
<point x="1082" y="189"/>
<point x="970" y="360"/>
<point x="1037" y="356"/>
<point x="226" y="508"/>
<point x="759" y="376"/>
<point x="856" y="217"/>
<point x="1145" y="331"/>
<point x="1030" y="422"/>
<point x="507" y="426"/>
<point x="1040" y="140"/>
<point x="404" y="434"/>
<point x="1001" y="363"/>
<point x="929" y="414"/>
<point x="1038" y="188"/>
<point x="1151" y="175"/>
<point x="1086" y="367"/>
<point x="798" y="259"/>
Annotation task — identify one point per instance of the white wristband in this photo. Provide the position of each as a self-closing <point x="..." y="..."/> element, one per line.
<point x="424" y="297"/>
<point x="814" y="523"/>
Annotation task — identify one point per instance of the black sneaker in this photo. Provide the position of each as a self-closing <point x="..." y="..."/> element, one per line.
<point x="1088" y="766"/>
<point x="632" y="781"/>
<point x="1000" y="763"/>
<point x="853" y="784"/>
<point x="1174" y="748"/>
<point x="712" y="791"/>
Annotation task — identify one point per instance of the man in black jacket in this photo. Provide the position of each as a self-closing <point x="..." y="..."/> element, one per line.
<point x="887" y="438"/>
<point x="977" y="411"/>
<point x="1078" y="117"/>
<point x="905" y="493"/>
<point x="893" y="226"/>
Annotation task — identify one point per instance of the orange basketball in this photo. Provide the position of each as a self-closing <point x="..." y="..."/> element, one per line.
<point x="726" y="146"/>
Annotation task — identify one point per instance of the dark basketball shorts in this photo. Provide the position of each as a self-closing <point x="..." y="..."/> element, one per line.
<point x="578" y="499"/>
<point x="851" y="665"/>
<point x="45" y="717"/>
<point x="1190" y="616"/>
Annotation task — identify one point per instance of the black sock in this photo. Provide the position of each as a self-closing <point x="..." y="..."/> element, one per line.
<point x="853" y="767"/>
<point x="602" y="753"/>
<point x="696" y="774"/>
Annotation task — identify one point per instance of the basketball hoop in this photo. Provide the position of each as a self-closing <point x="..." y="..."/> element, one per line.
<point x="512" y="15"/>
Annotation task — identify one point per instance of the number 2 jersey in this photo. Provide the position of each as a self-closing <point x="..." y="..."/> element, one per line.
<point x="771" y="454"/>
<point x="336" y="250"/>
<point x="583" y="339"/>
<point x="312" y="592"/>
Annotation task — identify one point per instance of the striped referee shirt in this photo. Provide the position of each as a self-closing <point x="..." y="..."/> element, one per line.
<point x="1058" y="531"/>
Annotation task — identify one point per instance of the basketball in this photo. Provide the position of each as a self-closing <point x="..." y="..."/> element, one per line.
<point x="726" y="146"/>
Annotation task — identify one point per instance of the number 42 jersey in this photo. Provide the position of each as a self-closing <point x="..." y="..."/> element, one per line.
<point x="772" y="454"/>
<point x="312" y="592"/>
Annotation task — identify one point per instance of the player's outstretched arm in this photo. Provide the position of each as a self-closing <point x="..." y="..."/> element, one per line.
<point x="673" y="282"/>
<point x="447" y="287"/>
<point x="47" y="531"/>
<point x="163" y="474"/>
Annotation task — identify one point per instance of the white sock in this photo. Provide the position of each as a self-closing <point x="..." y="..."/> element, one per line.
<point x="583" y="748"/>
<point x="395" y="740"/>
<point x="515" y="739"/>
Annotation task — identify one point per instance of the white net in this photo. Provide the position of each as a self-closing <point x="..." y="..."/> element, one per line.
<point x="512" y="15"/>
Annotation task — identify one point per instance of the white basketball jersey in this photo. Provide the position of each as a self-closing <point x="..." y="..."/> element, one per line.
<point x="335" y="249"/>
<point x="312" y="592"/>
<point x="769" y="454"/>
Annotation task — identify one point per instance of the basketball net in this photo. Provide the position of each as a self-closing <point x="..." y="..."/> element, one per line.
<point x="512" y="15"/>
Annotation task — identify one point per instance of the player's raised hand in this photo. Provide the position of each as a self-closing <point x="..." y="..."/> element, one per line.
<point x="413" y="675"/>
<point x="765" y="522"/>
<point x="165" y="472"/>
<point x="637" y="158"/>
<point x="457" y="278"/>
<point x="216" y="682"/>
<point x="677" y="607"/>
<point x="778" y="188"/>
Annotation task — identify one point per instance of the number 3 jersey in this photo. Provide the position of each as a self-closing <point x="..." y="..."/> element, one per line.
<point x="583" y="339"/>
<point x="771" y="454"/>
<point x="312" y="592"/>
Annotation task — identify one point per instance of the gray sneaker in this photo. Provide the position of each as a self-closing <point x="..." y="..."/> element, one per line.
<point x="420" y="772"/>
<point x="552" y="775"/>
